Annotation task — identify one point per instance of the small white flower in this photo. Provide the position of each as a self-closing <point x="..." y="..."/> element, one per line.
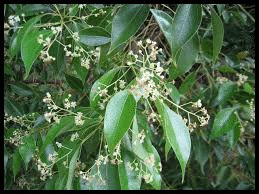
<point x="122" y="84"/>
<point x="59" y="144"/>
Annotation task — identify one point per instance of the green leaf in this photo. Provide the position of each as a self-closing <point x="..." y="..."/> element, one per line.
<point x="66" y="123"/>
<point x="16" y="164"/>
<point x="72" y="166"/>
<point x="226" y="91"/>
<point x="105" y="173"/>
<point x="81" y="72"/>
<point x="74" y="82"/>
<point x="30" y="48"/>
<point x="223" y="122"/>
<point x="234" y="134"/>
<point x="176" y="132"/>
<point x="102" y="82"/>
<point x="12" y="108"/>
<point x="187" y="83"/>
<point x="33" y="9"/>
<point x="118" y="117"/>
<point x="218" y="33"/>
<point x="182" y="27"/>
<point x="129" y="179"/>
<point x="184" y="64"/>
<point x="22" y="89"/>
<point x="27" y="27"/>
<point x="94" y="36"/>
<point x="27" y="149"/>
<point x="175" y="95"/>
<point x="145" y="150"/>
<point x="201" y="150"/>
<point x="127" y="22"/>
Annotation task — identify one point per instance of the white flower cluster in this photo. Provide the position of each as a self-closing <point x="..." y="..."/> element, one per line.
<point x="17" y="137"/>
<point x="13" y="20"/>
<point x="116" y="155"/>
<point x="13" y="23"/>
<point x="74" y="136"/>
<point x="138" y="167"/>
<point x="252" y="109"/>
<point x="222" y="80"/>
<point x="241" y="79"/>
<point x="203" y="118"/>
<point x="44" y="54"/>
<point x="151" y="72"/>
<point x="24" y="120"/>
<point x="78" y="119"/>
<point x="45" y="170"/>
<point x="54" y="110"/>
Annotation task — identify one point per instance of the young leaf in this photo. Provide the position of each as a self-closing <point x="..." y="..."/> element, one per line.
<point x="127" y="22"/>
<point x="218" y="33"/>
<point x="182" y="27"/>
<point x="102" y="82"/>
<point x="118" y="117"/>
<point x="176" y="133"/>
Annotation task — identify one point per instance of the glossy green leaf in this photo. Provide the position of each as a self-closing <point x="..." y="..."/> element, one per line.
<point x="176" y="132"/>
<point x="108" y="174"/>
<point x="225" y="92"/>
<point x="145" y="150"/>
<point x="223" y="122"/>
<point x="94" y="36"/>
<point x="218" y="33"/>
<point x="102" y="82"/>
<point x="118" y="117"/>
<point x="27" y="149"/>
<point x="234" y="134"/>
<point x="27" y="27"/>
<point x="182" y="27"/>
<point x="129" y="179"/>
<point x="30" y="48"/>
<point x="183" y="63"/>
<point x="126" y="23"/>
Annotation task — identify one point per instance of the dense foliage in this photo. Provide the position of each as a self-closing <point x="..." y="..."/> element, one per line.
<point x="131" y="96"/>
